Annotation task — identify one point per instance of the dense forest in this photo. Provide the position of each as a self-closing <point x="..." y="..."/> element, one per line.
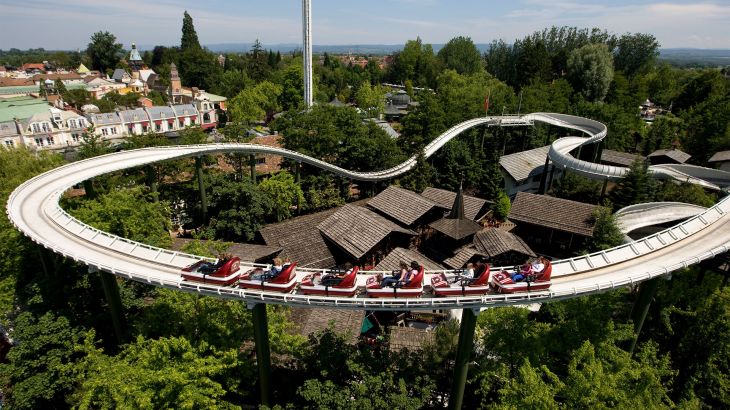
<point x="177" y="350"/>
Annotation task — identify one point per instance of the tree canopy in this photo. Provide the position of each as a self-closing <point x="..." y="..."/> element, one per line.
<point x="103" y="51"/>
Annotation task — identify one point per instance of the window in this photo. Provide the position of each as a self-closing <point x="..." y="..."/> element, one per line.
<point x="113" y="130"/>
<point x="39" y="142"/>
<point x="46" y="127"/>
<point x="182" y="123"/>
<point x="9" y="143"/>
<point x="131" y="129"/>
<point x="104" y="131"/>
<point x="75" y="137"/>
<point x="145" y="128"/>
<point x="261" y="160"/>
<point x="36" y="127"/>
<point x="82" y="122"/>
<point x="49" y="140"/>
<point x="158" y="127"/>
<point x="72" y="123"/>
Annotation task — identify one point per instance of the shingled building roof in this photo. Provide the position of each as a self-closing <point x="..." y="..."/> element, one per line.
<point x="560" y="214"/>
<point x="343" y="322"/>
<point x="248" y="252"/>
<point x="473" y="206"/>
<point x="675" y="155"/>
<point x="462" y="257"/>
<point x="493" y="242"/>
<point x="611" y="157"/>
<point x="525" y="164"/>
<point x="301" y="241"/>
<point x="401" y="204"/>
<point x="398" y="255"/>
<point x="357" y="230"/>
<point x="456" y="228"/>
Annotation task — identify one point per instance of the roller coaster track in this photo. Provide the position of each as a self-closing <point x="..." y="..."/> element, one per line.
<point x="34" y="209"/>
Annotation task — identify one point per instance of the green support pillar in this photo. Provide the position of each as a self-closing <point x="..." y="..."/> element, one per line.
<point x="299" y="184"/>
<point x="603" y="190"/>
<point x="641" y="307"/>
<point x="111" y="292"/>
<point x="263" y="355"/>
<point x="152" y="182"/>
<point x="201" y="188"/>
<point x="252" y="165"/>
<point x="463" y="354"/>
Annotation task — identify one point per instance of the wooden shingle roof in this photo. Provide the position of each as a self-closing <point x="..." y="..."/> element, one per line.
<point x="357" y="230"/>
<point x="398" y="255"/>
<point x="525" y="164"/>
<point x="456" y="228"/>
<point x="721" y="156"/>
<point x="462" y="257"/>
<point x="409" y="338"/>
<point x="343" y="322"/>
<point x="556" y="213"/>
<point x="473" y="206"/>
<point x="675" y="155"/>
<point x="493" y="242"/>
<point x="301" y="241"/>
<point x="612" y="157"/>
<point x="401" y="204"/>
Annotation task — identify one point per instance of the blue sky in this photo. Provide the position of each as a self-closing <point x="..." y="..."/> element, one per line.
<point x="68" y="24"/>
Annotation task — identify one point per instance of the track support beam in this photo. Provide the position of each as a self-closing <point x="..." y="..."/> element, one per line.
<point x="263" y="354"/>
<point x="201" y="187"/>
<point x="641" y="307"/>
<point x="111" y="292"/>
<point x="463" y="354"/>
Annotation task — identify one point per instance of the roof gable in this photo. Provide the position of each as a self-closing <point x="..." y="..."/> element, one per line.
<point x="556" y="213"/>
<point x="525" y="164"/>
<point x="398" y="255"/>
<point x="493" y="242"/>
<point x="456" y="228"/>
<point x="401" y="204"/>
<point x="357" y="230"/>
<point x="472" y="205"/>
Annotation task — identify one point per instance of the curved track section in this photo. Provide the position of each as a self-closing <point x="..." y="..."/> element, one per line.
<point x="34" y="209"/>
<point x="638" y="216"/>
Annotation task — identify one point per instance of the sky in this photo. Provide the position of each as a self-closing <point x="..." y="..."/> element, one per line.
<point x="68" y="24"/>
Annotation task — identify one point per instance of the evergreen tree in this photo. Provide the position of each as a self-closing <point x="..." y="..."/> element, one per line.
<point x="189" y="40"/>
<point x="636" y="187"/>
<point x="606" y="233"/>
<point x="103" y="51"/>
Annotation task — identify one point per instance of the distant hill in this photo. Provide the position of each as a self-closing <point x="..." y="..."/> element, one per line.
<point x="695" y="56"/>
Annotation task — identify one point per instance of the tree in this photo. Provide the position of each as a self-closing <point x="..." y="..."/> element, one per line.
<point x="60" y="87"/>
<point x="502" y="206"/>
<point x="462" y="55"/>
<point x="606" y="233"/>
<point x="39" y="372"/>
<point x="254" y="104"/>
<point x="189" y="40"/>
<point x="92" y="144"/>
<point x="636" y="187"/>
<point x="370" y="99"/>
<point x="103" y="51"/>
<point x="590" y="70"/>
<point x="237" y="208"/>
<point x="129" y="213"/>
<point x="635" y="52"/>
<point x="283" y="194"/>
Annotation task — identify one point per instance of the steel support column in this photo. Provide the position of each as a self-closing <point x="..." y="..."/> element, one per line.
<point x="252" y="166"/>
<point x="463" y="354"/>
<point x="152" y="182"/>
<point x="201" y="188"/>
<point x="641" y="307"/>
<point x="307" y="50"/>
<point x="111" y="292"/>
<point x="263" y="354"/>
<point x="543" y="178"/>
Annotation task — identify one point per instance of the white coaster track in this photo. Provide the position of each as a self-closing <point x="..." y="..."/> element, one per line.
<point x="34" y="209"/>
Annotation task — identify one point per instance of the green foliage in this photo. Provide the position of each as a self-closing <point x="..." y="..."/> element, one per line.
<point x="416" y="62"/>
<point x="502" y="206"/>
<point x="255" y="104"/>
<point x="636" y="187"/>
<point x="370" y="99"/>
<point x="189" y="39"/>
<point x="590" y="69"/>
<point x="577" y="188"/>
<point x="162" y="373"/>
<point x="39" y="371"/>
<point x="129" y="213"/>
<point x="670" y="191"/>
<point x="103" y="51"/>
<point x="284" y="194"/>
<point x="635" y="52"/>
<point x="460" y="54"/>
<point x="320" y="192"/>
<point x="193" y="135"/>
<point x="606" y="233"/>
<point x="237" y="208"/>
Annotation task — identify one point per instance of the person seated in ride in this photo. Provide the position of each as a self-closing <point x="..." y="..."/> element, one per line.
<point x="208" y="268"/>
<point x="397" y="276"/>
<point x="466" y="275"/>
<point x="273" y="272"/>
<point x="335" y="277"/>
<point x="522" y="272"/>
<point x="415" y="268"/>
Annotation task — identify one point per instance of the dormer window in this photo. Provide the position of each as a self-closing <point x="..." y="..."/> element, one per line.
<point x="46" y="127"/>
<point x="36" y="127"/>
<point x="72" y="123"/>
